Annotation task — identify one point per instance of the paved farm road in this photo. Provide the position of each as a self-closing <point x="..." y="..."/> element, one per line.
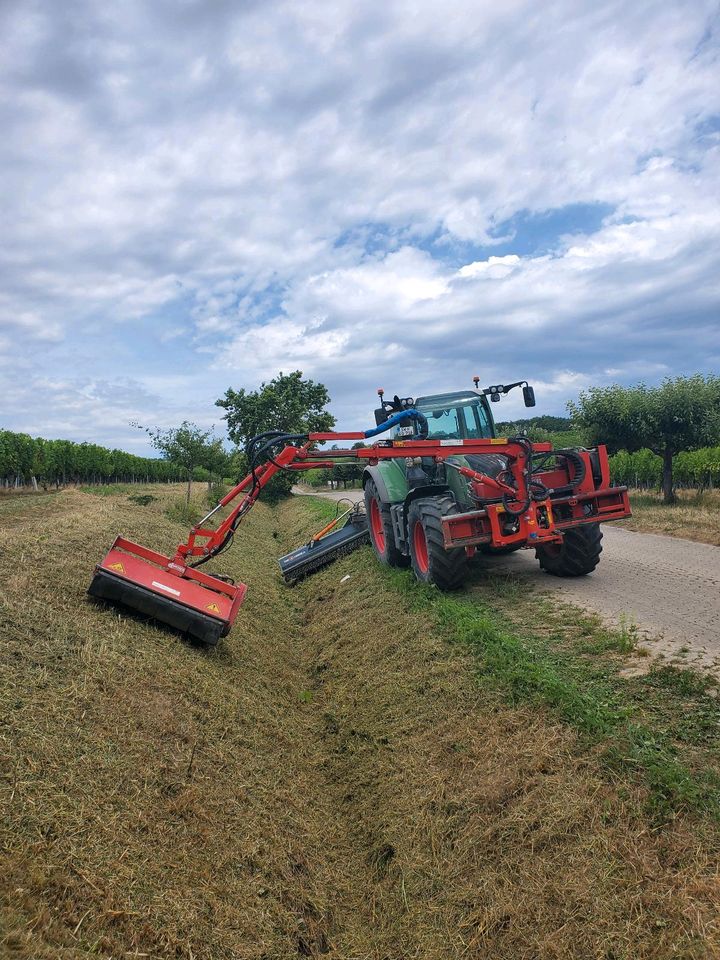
<point x="668" y="587"/>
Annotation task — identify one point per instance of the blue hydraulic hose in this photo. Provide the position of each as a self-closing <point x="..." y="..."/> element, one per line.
<point x="397" y="418"/>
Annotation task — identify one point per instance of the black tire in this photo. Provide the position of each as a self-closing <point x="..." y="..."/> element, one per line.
<point x="380" y="526"/>
<point x="576" y="556"/>
<point x="430" y="561"/>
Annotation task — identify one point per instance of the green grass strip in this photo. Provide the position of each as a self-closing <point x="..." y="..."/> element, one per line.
<point x="580" y="694"/>
<point x="580" y="691"/>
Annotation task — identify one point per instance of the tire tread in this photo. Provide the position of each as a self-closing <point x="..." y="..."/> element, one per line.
<point x="579" y="553"/>
<point x="448" y="568"/>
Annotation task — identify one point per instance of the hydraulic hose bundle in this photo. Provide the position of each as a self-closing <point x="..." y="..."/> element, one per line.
<point x="506" y="487"/>
<point x="573" y="460"/>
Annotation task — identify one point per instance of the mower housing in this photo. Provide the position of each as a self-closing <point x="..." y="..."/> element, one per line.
<point x="198" y="604"/>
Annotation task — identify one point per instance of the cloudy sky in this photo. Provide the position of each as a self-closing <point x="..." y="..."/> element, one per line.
<point x="197" y="194"/>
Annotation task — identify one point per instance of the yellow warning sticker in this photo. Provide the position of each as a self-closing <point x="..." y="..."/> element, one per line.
<point x="499" y="440"/>
<point x="213" y="608"/>
<point x="116" y="566"/>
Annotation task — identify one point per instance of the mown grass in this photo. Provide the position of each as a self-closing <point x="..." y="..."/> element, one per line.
<point x="441" y="701"/>
<point x="184" y="513"/>
<point x="158" y="800"/>
<point x="662" y="724"/>
<point x="341" y="778"/>
<point x="695" y="516"/>
<point x="15" y="509"/>
<point x="112" y="489"/>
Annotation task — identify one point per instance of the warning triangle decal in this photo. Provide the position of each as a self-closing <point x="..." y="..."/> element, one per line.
<point x="116" y="566"/>
<point x="213" y="608"/>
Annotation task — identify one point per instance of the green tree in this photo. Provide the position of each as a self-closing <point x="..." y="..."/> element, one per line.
<point x="682" y="413"/>
<point x="287" y="402"/>
<point x="188" y="446"/>
<point x="216" y="462"/>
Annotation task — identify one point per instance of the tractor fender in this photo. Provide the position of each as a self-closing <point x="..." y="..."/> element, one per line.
<point x="374" y="474"/>
<point x="418" y="493"/>
<point x="389" y="479"/>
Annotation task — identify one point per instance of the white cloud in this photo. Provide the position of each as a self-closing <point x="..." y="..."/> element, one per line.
<point x="495" y="268"/>
<point x="302" y="185"/>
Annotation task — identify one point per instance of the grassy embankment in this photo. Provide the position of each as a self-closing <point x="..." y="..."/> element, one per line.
<point x="661" y="721"/>
<point x="695" y="516"/>
<point x="361" y="770"/>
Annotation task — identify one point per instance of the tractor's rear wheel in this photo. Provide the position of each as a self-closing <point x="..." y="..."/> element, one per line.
<point x="381" y="528"/>
<point x="430" y="561"/>
<point x="577" y="555"/>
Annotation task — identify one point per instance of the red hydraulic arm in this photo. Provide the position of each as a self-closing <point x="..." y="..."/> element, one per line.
<point x="204" y="542"/>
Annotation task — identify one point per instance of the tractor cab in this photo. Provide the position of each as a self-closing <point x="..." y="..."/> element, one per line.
<point x="462" y="415"/>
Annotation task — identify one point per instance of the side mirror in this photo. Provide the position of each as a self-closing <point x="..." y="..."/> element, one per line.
<point x="529" y="396"/>
<point x="495" y="397"/>
<point x="381" y="415"/>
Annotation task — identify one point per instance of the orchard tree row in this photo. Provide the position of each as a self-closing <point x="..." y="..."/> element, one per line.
<point x="643" y="468"/>
<point x="26" y="460"/>
<point x="676" y="420"/>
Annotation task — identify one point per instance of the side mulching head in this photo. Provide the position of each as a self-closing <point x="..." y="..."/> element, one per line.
<point x="317" y="554"/>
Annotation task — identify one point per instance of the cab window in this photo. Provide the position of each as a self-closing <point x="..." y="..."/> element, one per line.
<point x="446" y="424"/>
<point x="461" y="422"/>
<point x="477" y="425"/>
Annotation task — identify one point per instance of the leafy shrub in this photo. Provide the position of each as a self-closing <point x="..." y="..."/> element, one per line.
<point x="215" y="493"/>
<point x="179" y="511"/>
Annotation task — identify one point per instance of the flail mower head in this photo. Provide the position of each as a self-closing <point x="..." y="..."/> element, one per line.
<point x="149" y="583"/>
<point x="327" y="546"/>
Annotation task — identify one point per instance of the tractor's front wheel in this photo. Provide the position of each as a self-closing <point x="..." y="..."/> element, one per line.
<point x="381" y="528"/>
<point x="430" y="561"/>
<point x="577" y="555"/>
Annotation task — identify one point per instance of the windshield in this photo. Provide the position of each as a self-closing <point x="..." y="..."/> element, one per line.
<point x="464" y="419"/>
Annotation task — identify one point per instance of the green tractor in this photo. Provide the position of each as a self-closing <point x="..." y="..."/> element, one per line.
<point x="435" y="512"/>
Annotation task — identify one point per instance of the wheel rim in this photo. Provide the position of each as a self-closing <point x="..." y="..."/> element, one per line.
<point x="376" y="525"/>
<point x="420" y="548"/>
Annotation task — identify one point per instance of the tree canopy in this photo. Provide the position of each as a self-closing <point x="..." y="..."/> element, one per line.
<point x="681" y="414"/>
<point x="287" y="402"/>
<point x="188" y="446"/>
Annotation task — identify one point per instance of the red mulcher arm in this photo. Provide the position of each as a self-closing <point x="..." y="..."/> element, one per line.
<point x="526" y="510"/>
<point x="171" y="590"/>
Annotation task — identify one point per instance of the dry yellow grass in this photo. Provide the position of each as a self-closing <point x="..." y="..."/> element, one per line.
<point x="328" y="782"/>
<point x="693" y="517"/>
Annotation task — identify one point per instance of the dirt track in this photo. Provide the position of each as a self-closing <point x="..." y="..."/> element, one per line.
<point x="667" y="587"/>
